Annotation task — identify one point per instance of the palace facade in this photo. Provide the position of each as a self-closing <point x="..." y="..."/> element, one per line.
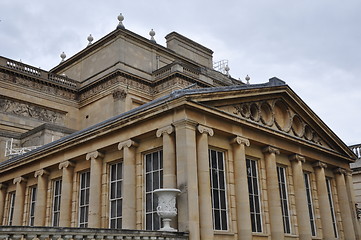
<point x="87" y="143"/>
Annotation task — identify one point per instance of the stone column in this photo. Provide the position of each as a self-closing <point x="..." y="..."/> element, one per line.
<point x="344" y="204"/>
<point x="244" y="226"/>
<point x="352" y="202"/>
<point x="302" y="212"/>
<point x="41" y="193"/>
<point x="187" y="178"/>
<point x="273" y="193"/>
<point x="169" y="163"/>
<point x="66" y="193"/>
<point x="204" y="184"/>
<point x="3" y="188"/>
<point x="95" y="191"/>
<point x="129" y="184"/>
<point x="323" y="201"/>
<point x="19" y="201"/>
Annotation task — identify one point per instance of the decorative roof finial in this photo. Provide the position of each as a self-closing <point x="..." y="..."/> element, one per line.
<point x="90" y="39"/>
<point x="63" y="56"/>
<point x="227" y="70"/>
<point x="152" y="34"/>
<point x="247" y="78"/>
<point x="120" y="24"/>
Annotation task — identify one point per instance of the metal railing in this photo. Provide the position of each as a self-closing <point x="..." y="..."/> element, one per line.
<point x="55" y="233"/>
<point x="356" y="149"/>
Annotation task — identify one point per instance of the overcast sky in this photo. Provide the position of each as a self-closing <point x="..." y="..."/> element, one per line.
<point x="313" y="45"/>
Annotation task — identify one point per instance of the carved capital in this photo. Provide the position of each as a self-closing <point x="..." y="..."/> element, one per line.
<point x="20" y="180"/>
<point x="40" y="173"/>
<point x="94" y="155"/>
<point x="119" y="94"/>
<point x="204" y="129"/>
<point x="319" y="164"/>
<point x="128" y="143"/>
<point x="340" y="171"/>
<point x="66" y="164"/>
<point x="167" y="129"/>
<point x="296" y="158"/>
<point x="240" y="140"/>
<point x="270" y="149"/>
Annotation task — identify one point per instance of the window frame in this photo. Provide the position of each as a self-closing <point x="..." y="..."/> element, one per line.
<point x="310" y="206"/>
<point x="215" y="181"/>
<point x="256" y="220"/>
<point x="151" y="218"/>
<point x="117" y="219"/>
<point x="32" y="202"/>
<point x="83" y="223"/>
<point x="285" y="203"/>
<point x="55" y="213"/>
<point x="332" y="206"/>
<point x="11" y="208"/>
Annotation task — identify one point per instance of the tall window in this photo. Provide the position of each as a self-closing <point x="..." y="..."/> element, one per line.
<point x="332" y="207"/>
<point x="310" y="203"/>
<point x="281" y="172"/>
<point x="84" y="199"/>
<point x="11" y="208"/>
<point x="56" y="202"/>
<point x="153" y="181"/>
<point x="115" y="197"/>
<point x="32" y="206"/>
<point x="218" y="190"/>
<point x="254" y="195"/>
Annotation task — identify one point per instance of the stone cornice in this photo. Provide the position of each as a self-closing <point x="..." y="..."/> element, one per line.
<point x="203" y="129"/>
<point x="94" y="155"/>
<point x="240" y="140"/>
<point x="66" y="164"/>
<point x="20" y="180"/>
<point x="128" y="143"/>
<point x="40" y="173"/>
<point x="297" y="158"/>
<point x="167" y="129"/>
<point x="270" y="149"/>
<point x="319" y="164"/>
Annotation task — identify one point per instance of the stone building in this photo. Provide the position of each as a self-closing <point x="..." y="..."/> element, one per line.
<point x="88" y="143"/>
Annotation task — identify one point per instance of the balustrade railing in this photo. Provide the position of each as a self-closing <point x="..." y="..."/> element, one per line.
<point x="356" y="149"/>
<point x="55" y="233"/>
<point x="37" y="72"/>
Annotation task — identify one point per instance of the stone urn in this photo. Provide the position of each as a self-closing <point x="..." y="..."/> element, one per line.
<point x="166" y="208"/>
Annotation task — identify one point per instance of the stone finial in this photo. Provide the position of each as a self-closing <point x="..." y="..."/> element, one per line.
<point x="66" y="164"/>
<point x="204" y="129"/>
<point x="319" y="164"/>
<point x="247" y="78"/>
<point x="167" y="129"/>
<point x="94" y="155"/>
<point x="270" y="149"/>
<point x="40" y="173"/>
<point x="227" y="70"/>
<point x="63" y="56"/>
<point x="19" y="180"/>
<point x="128" y="143"/>
<point x="296" y="157"/>
<point x="120" y="24"/>
<point x="90" y="39"/>
<point x="240" y="140"/>
<point x="152" y="34"/>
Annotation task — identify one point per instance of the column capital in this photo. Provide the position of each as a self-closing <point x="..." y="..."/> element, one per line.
<point x="296" y="158"/>
<point x="94" y="155"/>
<point x="206" y="130"/>
<point x="340" y="171"/>
<point x="240" y="140"/>
<point x="41" y="172"/>
<point x="167" y="129"/>
<point x="128" y="143"/>
<point x="66" y="164"/>
<point x="19" y="180"/>
<point x="270" y="149"/>
<point x="319" y="164"/>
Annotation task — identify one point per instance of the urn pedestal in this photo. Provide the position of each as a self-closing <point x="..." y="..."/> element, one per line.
<point x="166" y="208"/>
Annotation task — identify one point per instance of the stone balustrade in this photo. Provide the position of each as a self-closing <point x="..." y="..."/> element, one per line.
<point x="55" y="233"/>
